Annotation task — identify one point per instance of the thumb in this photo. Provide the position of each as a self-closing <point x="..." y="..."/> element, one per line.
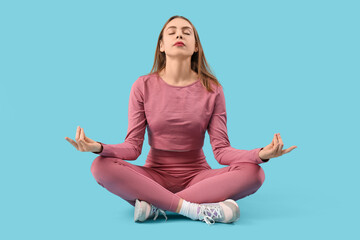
<point x="89" y="140"/>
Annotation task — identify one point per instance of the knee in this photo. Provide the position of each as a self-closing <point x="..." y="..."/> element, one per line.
<point x="97" y="167"/>
<point x="96" y="164"/>
<point x="261" y="175"/>
<point x="102" y="168"/>
<point x="254" y="170"/>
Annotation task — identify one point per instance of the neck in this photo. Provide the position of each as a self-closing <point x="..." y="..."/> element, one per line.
<point x="178" y="71"/>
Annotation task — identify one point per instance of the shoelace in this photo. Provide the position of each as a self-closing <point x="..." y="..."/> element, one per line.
<point x="156" y="211"/>
<point x="208" y="213"/>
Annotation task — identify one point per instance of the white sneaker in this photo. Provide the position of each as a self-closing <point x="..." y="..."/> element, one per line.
<point x="144" y="210"/>
<point x="226" y="212"/>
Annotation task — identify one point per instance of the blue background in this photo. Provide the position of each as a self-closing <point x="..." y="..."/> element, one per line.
<point x="286" y="66"/>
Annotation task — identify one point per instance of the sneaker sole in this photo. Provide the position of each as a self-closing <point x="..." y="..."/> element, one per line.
<point x="235" y="208"/>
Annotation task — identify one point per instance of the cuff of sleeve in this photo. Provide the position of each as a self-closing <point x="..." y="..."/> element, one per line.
<point x="101" y="150"/>
<point x="257" y="157"/>
<point x="106" y="150"/>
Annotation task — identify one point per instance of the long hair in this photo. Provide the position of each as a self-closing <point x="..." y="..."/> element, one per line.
<point x="198" y="61"/>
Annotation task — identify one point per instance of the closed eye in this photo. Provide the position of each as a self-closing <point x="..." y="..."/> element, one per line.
<point x="173" y="33"/>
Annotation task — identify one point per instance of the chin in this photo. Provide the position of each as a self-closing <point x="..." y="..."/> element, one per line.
<point x="177" y="54"/>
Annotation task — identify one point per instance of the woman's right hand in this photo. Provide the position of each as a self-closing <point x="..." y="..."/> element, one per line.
<point x="83" y="143"/>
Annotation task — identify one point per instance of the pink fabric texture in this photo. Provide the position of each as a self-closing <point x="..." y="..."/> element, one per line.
<point x="176" y="119"/>
<point x="169" y="176"/>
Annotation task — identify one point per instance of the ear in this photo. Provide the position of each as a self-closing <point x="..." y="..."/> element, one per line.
<point x="161" y="46"/>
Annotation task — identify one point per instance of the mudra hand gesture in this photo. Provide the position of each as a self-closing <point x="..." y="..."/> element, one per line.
<point x="83" y="143"/>
<point x="274" y="149"/>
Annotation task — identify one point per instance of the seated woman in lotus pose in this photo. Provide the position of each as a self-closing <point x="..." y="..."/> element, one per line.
<point x="178" y="101"/>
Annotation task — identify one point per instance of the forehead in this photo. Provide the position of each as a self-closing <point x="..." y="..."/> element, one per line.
<point x="178" y="23"/>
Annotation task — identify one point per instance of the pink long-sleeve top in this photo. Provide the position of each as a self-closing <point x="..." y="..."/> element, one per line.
<point x="177" y="118"/>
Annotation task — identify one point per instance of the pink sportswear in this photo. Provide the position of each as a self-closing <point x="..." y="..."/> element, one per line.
<point x="176" y="118"/>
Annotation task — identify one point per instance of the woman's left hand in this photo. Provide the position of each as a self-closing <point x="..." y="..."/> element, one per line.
<point x="274" y="149"/>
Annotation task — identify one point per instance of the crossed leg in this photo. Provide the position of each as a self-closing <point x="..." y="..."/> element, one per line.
<point x="235" y="181"/>
<point x="132" y="182"/>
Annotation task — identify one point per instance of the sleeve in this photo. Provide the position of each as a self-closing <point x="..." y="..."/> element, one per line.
<point x="131" y="148"/>
<point x="219" y="140"/>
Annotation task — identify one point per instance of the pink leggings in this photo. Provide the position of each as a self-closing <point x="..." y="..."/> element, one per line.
<point x="169" y="176"/>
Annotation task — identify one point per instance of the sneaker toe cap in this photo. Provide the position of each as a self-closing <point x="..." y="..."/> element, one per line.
<point x="231" y="211"/>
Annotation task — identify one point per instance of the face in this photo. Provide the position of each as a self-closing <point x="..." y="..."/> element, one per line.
<point x="176" y="30"/>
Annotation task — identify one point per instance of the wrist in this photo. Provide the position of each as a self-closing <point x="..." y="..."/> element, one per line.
<point x="99" y="148"/>
<point x="264" y="160"/>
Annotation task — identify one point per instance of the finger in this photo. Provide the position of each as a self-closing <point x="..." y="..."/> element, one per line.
<point x="85" y="137"/>
<point x="82" y="146"/>
<point x="281" y="144"/>
<point x="82" y="135"/>
<point x="280" y="139"/>
<point x="77" y="133"/>
<point x="82" y="143"/>
<point x="80" y="140"/>
<point x="273" y="141"/>
<point x="289" y="149"/>
<point x="88" y="140"/>
<point x="278" y="146"/>
<point x="273" y="146"/>
<point x="72" y="142"/>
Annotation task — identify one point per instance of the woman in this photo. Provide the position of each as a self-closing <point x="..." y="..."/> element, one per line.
<point x="178" y="101"/>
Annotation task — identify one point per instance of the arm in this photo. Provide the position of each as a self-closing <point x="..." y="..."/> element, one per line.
<point x="131" y="148"/>
<point x="219" y="140"/>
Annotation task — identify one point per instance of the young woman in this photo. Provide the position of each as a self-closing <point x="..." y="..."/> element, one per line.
<point x="177" y="102"/>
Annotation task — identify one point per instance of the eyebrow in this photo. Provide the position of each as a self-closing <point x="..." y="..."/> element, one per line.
<point x="182" y="27"/>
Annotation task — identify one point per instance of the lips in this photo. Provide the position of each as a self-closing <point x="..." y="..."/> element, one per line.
<point x="179" y="44"/>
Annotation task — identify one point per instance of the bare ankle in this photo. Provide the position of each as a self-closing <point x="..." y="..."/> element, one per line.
<point x="179" y="205"/>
